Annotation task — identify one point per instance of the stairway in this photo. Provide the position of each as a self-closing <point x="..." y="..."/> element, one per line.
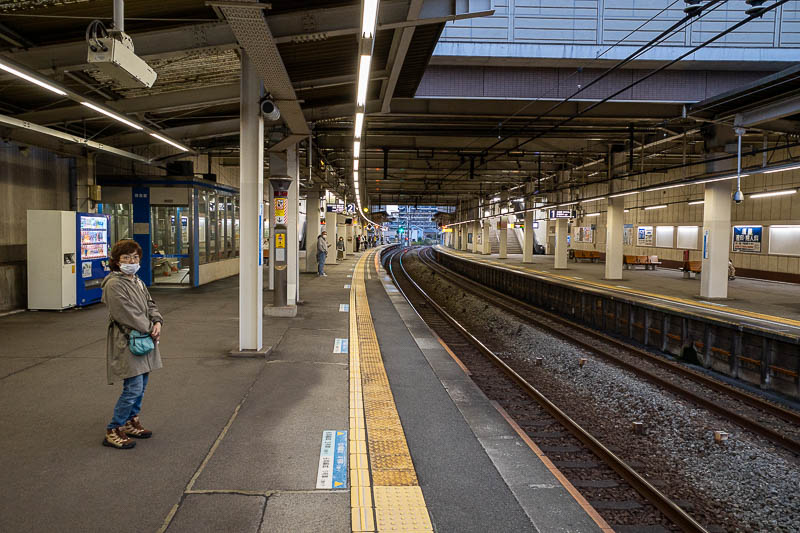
<point x="512" y="243"/>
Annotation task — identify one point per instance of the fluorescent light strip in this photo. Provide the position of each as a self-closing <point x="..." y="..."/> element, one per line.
<point x="356" y="147"/>
<point x="622" y="194"/>
<point x="567" y="204"/>
<point x="116" y="117"/>
<point x="648" y="208"/>
<point x="782" y="169"/>
<point x="164" y="139"/>
<point x="668" y="187"/>
<point x="355" y="176"/>
<point x="773" y="193"/>
<point x="697" y="202"/>
<point x="593" y="215"/>
<point x="593" y="199"/>
<point x="370" y="14"/>
<point x="723" y="178"/>
<point x="31" y="79"/>
<point x="359" y="125"/>
<point x="355" y="164"/>
<point x="363" y="80"/>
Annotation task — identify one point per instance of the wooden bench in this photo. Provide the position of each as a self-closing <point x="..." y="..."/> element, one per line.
<point x="591" y="255"/>
<point x="692" y="269"/>
<point x="650" y="262"/>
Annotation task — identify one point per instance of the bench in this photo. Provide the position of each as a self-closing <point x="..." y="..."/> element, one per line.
<point x="692" y="269"/>
<point x="591" y="255"/>
<point x="650" y="262"/>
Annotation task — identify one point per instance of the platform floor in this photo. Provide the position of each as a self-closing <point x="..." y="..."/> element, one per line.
<point x="766" y="304"/>
<point x="236" y="443"/>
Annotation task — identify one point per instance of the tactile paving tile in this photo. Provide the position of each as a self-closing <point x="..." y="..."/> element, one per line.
<point x="362" y="519"/>
<point x="391" y="462"/>
<point x="398" y="496"/>
<point x="403" y="519"/>
<point x="396" y="478"/>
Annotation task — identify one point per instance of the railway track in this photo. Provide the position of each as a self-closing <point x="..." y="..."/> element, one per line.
<point x="672" y="376"/>
<point x="626" y="497"/>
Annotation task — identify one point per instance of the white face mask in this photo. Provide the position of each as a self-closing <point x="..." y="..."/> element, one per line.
<point x="129" y="268"/>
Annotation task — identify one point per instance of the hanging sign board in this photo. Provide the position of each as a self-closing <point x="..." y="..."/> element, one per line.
<point x="747" y="239"/>
<point x="561" y="213"/>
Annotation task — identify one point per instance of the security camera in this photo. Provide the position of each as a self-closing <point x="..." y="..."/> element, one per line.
<point x="270" y="110"/>
<point x="738" y="197"/>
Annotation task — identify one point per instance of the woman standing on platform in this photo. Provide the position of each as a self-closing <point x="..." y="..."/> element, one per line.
<point x="132" y="312"/>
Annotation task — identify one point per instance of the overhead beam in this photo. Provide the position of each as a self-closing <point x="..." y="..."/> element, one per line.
<point x="777" y="110"/>
<point x="184" y="133"/>
<point x="149" y="45"/>
<point x="158" y="103"/>
<point x="253" y="33"/>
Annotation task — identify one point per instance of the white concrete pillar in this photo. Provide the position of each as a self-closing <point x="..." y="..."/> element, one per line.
<point x="485" y="244"/>
<point x="292" y="239"/>
<point x="271" y="231"/>
<point x="561" y="244"/>
<point x="503" y="220"/>
<point x="313" y="231"/>
<point x="527" y="245"/>
<point x="615" y="224"/>
<point x="475" y="229"/>
<point x="251" y="186"/>
<point x="349" y="243"/>
<point x="716" y="240"/>
<point x="333" y="237"/>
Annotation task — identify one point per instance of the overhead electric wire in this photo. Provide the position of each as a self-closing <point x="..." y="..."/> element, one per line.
<point x="699" y="13"/>
<point x="736" y="26"/>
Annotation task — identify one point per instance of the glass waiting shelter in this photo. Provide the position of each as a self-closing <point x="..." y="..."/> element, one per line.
<point x="188" y="228"/>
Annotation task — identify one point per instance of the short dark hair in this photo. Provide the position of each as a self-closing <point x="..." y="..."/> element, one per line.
<point x="125" y="246"/>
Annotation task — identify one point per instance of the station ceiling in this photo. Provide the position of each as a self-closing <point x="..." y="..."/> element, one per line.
<point x="422" y="146"/>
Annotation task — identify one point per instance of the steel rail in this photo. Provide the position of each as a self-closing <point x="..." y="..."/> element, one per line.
<point x="670" y="509"/>
<point x="500" y="300"/>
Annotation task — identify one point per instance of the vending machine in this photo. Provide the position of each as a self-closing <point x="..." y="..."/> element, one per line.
<point x="67" y="258"/>
<point x="92" y="257"/>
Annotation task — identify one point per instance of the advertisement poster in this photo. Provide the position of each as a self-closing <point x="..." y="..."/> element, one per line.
<point x="644" y="236"/>
<point x="747" y="239"/>
<point x="584" y="234"/>
<point x="627" y="235"/>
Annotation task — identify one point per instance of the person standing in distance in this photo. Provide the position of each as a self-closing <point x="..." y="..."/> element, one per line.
<point x="130" y="308"/>
<point x="340" y="249"/>
<point x="322" y="252"/>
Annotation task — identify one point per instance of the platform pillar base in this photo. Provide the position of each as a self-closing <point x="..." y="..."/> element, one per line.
<point x="250" y="354"/>
<point x="284" y="311"/>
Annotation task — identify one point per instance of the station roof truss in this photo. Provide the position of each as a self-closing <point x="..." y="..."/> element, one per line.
<point x="418" y="146"/>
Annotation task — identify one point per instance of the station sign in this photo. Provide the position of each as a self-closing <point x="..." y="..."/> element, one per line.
<point x="561" y="213"/>
<point x="747" y="239"/>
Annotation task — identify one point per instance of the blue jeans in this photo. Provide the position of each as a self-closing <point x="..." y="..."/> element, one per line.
<point x="130" y="401"/>
<point x="321" y="256"/>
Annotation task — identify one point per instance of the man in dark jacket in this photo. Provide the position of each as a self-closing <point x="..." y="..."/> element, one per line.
<point x="322" y="252"/>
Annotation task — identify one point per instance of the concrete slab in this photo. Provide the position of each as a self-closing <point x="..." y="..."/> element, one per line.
<point x="289" y="512"/>
<point x="274" y="443"/>
<point x="218" y="513"/>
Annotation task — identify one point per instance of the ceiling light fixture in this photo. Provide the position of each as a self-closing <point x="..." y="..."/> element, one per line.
<point x="356" y="147"/>
<point x="116" y="117"/>
<point x="649" y="207"/>
<point x="593" y="199"/>
<point x="355" y="164"/>
<point x="619" y="194"/>
<point x="777" y="169"/>
<point x="773" y="193"/>
<point x="363" y="80"/>
<point x="593" y="215"/>
<point x="359" y="124"/>
<point x="31" y="79"/>
<point x="696" y="202"/>
<point x="370" y="16"/>
<point x="164" y="139"/>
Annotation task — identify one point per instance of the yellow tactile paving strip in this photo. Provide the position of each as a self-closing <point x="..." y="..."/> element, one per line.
<point x="674" y="299"/>
<point x="385" y="494"/>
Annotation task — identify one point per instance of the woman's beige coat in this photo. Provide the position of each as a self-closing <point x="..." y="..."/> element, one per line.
<point x="129" y="303"/>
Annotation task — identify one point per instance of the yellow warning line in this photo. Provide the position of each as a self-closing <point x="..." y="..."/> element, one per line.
<point x="392" y="499"/>
<point x="674" y="299"/>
